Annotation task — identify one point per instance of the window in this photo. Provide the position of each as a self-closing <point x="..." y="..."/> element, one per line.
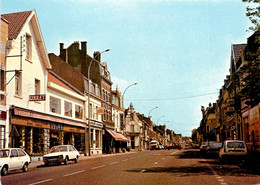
<point x="96" y="113"/>
<point x="132" y="128"/>
<point x="14" y="153"/>
<point x="18" y="83"/>
<point x="28" y="47"/>
<point x="78" y="112"/>
<point x="2" y="133"/>
<point x="68" y="109"/>
<point x="21" y="153"/>
<point x="37" y="86"/>
<point x="2" y="80"/>
<point x="90" y="112"/>
<point x="55" y="105"/>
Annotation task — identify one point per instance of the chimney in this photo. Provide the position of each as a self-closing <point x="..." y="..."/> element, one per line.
<point x="61" y="47"/>
<point x="84" y="47"/>
<point x="97" y="56"/>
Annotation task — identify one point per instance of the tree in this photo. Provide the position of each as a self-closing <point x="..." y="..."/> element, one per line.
<point x="249" y="73"/>
<point x="253" y="13"/>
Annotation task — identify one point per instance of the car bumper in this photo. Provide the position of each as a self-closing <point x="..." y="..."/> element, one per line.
<point x="53" y="160"/>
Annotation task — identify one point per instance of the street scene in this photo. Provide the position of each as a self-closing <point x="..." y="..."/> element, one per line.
<point x="130" y="92"/>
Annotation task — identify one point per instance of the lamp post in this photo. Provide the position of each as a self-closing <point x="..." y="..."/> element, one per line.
<point x="151" y="111"/>
<point x="123" y="105"/>
<point x="159" y="119"/>
<point x="89" y="135"/>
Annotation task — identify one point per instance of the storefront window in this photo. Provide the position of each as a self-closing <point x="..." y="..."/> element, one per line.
<point x="91" y="137"/>
<point x="97" y="138"/>
<point x="78" y="112"/>
<point x="55" y="105"/>
<point x="68" y="109"/>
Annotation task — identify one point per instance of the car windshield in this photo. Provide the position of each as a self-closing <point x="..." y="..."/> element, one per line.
<point x="235" y="145"/>
<point x="4" y="153"/>
<point x="59" y="149"/>
<point x="215" y="144"/>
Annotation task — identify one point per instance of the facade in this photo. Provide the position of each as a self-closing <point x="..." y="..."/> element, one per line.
<point x="80" y="82"/>
<point x="133" y="129"/>
<point x="27" y="66"/>
<point x="4" y="37"/>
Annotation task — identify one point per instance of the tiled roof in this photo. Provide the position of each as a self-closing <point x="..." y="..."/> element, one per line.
<point x="16" y="22"/>
<point x="236" y="50"/>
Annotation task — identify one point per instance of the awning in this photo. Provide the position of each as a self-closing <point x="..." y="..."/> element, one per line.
<point x="117" y="136"/>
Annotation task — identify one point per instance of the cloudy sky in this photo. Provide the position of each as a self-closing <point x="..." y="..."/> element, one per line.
<point x="178" y="51"/>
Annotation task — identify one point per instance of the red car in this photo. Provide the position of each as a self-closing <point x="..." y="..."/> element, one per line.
<point x="174" y="146"/>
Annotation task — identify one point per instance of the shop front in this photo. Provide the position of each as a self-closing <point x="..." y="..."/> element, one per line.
<point x="36" y="132"/>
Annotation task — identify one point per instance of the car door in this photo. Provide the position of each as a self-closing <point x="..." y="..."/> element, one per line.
<point x="72" y="153"/>
<point x="22" y="156"/>
<point x="14" y="160"/>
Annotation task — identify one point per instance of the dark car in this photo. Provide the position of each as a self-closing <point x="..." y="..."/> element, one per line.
<point x="174" y="146"/>
<point x="213" y="147"/>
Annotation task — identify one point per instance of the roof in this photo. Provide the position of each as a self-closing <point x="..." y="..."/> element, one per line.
<point x="236" y="48"/>
<point x="16" y="22"/>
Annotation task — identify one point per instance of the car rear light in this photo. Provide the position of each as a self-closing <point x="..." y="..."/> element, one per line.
<point x="61" y="157"/>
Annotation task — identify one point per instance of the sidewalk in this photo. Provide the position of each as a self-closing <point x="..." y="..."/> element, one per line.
<point x="34" y="164"/>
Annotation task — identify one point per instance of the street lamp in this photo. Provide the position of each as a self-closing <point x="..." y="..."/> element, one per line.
<point x="123" y="103"/>
<point x="89" y="135"/>
<point x="151" y="111"/>
<point x="159" y="119"/>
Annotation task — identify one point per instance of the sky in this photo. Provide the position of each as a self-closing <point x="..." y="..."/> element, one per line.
<point x="177" y="51"/>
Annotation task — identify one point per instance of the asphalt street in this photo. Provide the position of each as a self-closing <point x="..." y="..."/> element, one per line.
<point x="145" y="167"/>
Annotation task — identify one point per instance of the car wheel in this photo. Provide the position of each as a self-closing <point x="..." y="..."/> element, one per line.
<point x="4" y="171"/>
<point x="66" y="160"/>
<point x="77" y="159"/>
<point x="25" y="167"/>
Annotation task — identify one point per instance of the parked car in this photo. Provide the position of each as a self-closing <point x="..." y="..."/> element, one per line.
<point x="213" y="147"/>
<point x="203" y="147"/>
<point x="174" y="146"/>
<point x="154" y="145"/>
<point x="233" y="150"/>
<point x="13" y="159"/>
<point x="61" y="153"/>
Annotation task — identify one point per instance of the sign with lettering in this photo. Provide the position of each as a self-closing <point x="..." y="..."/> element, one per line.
<point x="56" y="126"/>
<point x="40" y="97"/>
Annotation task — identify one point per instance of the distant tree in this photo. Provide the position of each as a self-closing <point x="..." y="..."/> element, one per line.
<point x="253" y="13"/>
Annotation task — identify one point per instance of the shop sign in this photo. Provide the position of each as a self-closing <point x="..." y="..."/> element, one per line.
<point x="40" y="97"/>
<point x="56" y="126"/>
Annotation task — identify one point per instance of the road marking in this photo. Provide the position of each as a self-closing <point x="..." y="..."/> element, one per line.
<point x="98" y="167"/>
<point x="113" y="163"/>
<point x="163" y="158"/>
<point x="73" y="173"/>
<point x="125" y="160"/>
<point x="142" y="171"/>
<point x="41" y="181"/>
<point x="156" y="163"/>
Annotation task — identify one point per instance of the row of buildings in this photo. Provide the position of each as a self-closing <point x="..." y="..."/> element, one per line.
<point x="49" y="99"/>
<point x="234" y="115"/>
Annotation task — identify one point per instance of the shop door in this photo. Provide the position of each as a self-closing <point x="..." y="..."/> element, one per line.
<point x="132" y="142"/>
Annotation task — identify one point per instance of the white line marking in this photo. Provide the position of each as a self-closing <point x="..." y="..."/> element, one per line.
<point x="142" y="171"/>
<point x="163" y="158"/>
<point x="98" y="167"/>
<point x="218" y="177"/>
<point x="41" y="181"/>
<point x="220" y="180"/>
<point x="156" y="163"/>
<point x="74" y="173"/>
<point x="125" y="160"/>
<point x="113" y="163"/>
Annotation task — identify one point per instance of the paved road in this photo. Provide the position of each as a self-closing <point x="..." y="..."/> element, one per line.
<point x="146" y="167"/>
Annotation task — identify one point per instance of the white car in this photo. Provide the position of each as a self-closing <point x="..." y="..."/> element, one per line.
<point x="61" y="153"/>
<point x="13" y="159"/>
<point x="233" y="150"/>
